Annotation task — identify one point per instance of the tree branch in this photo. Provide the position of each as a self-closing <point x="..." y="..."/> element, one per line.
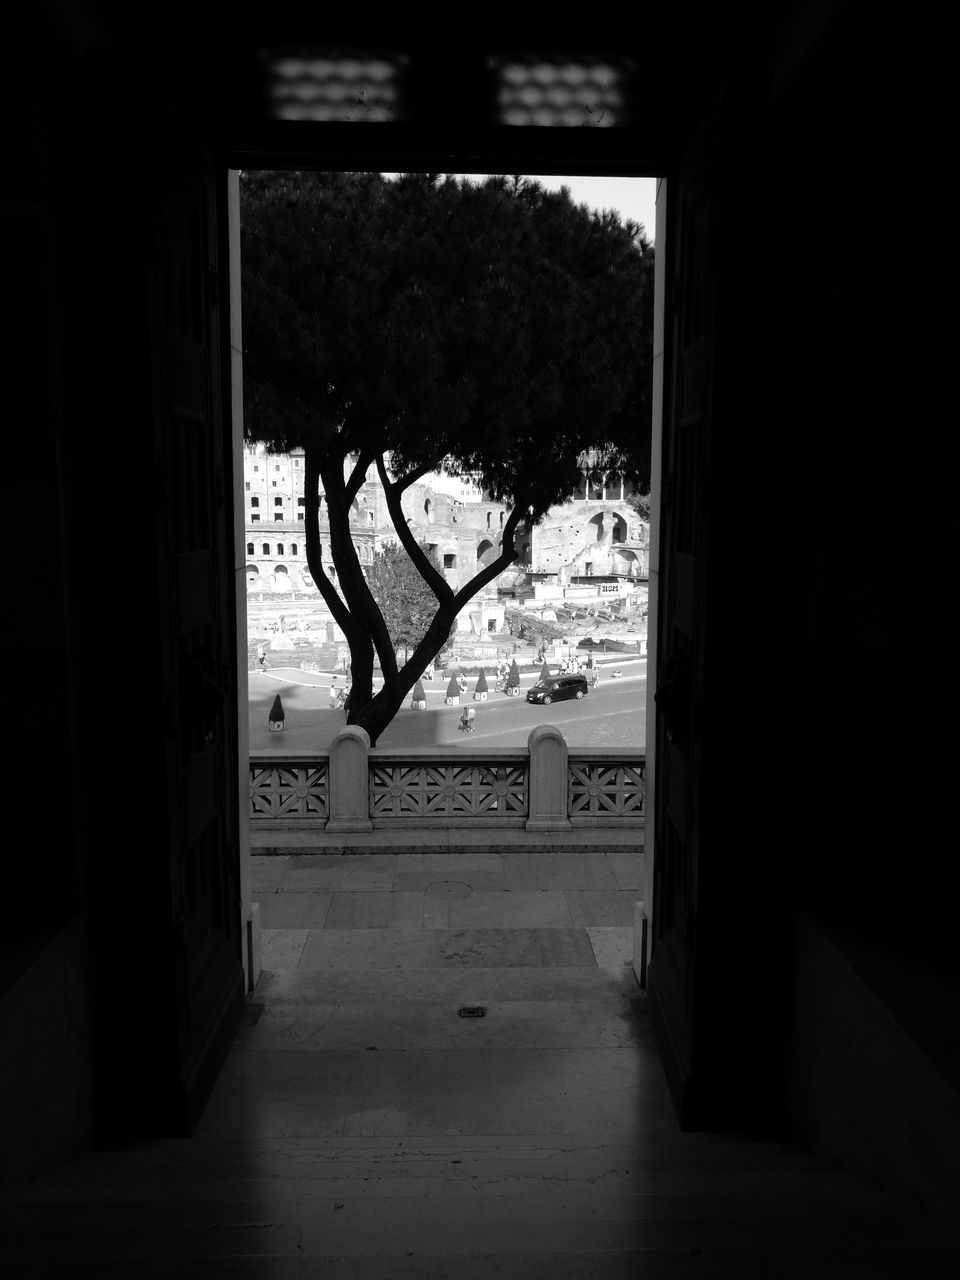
<point x="427" y="570"/>
<point x="353" y="584"/>
<point x="508" y="553"/>
<point x="311" y="503"/>
<point x="357" y="476"/>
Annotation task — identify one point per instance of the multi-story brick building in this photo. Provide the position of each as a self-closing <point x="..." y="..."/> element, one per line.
<point x="597" y="533"/>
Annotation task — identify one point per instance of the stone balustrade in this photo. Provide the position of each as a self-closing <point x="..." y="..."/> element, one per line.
<point x="355" y="788"/>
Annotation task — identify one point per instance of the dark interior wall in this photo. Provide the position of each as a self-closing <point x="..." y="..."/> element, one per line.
<point x="87" y="994"/>
<point x="831" y="690"/>
<point x="862" y="219"/>
<point x="45" y="1022"/>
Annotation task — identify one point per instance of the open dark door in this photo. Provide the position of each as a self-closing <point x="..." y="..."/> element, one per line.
<point x="195" y="574"/>
<point x="689" y="350"/>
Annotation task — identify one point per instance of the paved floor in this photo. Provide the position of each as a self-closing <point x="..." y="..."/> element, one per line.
<point x="362" y="1130"/>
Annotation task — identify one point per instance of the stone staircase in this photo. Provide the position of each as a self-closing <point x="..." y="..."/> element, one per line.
<point x="362" y="1128"/>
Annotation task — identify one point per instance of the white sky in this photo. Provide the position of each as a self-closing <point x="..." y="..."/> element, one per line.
<point x="633" y="198"/>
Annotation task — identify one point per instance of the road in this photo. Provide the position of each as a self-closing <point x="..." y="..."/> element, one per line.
<point x="613" y="715"/>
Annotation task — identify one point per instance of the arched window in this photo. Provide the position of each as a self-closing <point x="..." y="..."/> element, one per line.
<point x="278" y="502"/>
<point x="293" y="548"/>
<point x="249" y="548"/>
<point x="501" y="519"/>
<point x="254" y="502"/>
<point x="279" y="548"/>
<point x="489" y="518"/>
<point x="266" y="548"/>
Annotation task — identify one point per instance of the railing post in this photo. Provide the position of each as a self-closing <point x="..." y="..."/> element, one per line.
<point x="548" y="780"/>
<point x="349" y="785"/>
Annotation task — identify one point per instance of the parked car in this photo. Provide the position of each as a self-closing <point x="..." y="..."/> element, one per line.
<point x="557" y="688"/>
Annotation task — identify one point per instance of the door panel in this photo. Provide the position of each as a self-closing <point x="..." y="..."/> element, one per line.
<point x="672" y="972"/>
<point x="196" y="569"/>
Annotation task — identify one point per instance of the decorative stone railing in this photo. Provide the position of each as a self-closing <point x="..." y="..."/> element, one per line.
<point x="355" y="788"/>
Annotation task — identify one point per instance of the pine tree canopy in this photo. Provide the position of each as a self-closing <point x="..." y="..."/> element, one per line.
<point x="427" y="322"/>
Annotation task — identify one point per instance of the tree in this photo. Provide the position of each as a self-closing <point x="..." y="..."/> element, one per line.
<point x="640" y="501"/>
<point x="427" y="323"/>
<point x="403" y="597"/>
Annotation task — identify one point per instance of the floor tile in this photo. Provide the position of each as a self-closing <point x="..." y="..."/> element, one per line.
<point x="600" y="907"/>
<point x="564" y="948"/>
<point x="478" y="870"/>
<point x="379" y="910"/>
<point x="450" y="864"/>
<point x="422" y="1093"/>
<point x="293" y="910"/>
<point x="530" y="910"/>
<point x="441" y="948"/>
<point x="350" y="872"/>
<point x="282" y="948"/>
<point x="267" y="873"/>
<point x="627" y="867"/>
<point x="612" y="947"/>
<point x="558" y="871"/>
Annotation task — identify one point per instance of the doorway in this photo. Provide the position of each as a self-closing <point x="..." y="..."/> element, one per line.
<point x="429" y="505"/>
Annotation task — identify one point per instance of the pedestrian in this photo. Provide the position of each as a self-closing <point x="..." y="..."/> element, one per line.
<point x="334" y="694"/>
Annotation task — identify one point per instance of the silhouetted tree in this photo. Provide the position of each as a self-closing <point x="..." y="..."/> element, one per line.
<point x="403" y="597"/>
<point x="426" y="322"/>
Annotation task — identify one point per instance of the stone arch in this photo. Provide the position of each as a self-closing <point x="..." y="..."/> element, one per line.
<point x="252" y="573"/>
<point x="428" y="510"/>
<point x="618" y="530"/>
<point x="597" y="522"/>
<point x="626" y="562"/>
<point x="486" y="552"/>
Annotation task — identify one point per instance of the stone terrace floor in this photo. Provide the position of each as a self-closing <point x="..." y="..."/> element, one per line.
<point x="362" y="1130"/>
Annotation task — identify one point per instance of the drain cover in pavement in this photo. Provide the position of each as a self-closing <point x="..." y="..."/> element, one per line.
<point x="472" y="1011"/>
<point x="449" y="889"/>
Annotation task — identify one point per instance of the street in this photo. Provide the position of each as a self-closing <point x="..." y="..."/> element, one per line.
<point x="612" y="715"/>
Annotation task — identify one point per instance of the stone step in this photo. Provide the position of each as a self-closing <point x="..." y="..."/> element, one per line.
<point x="524" y="1203"/>
<point x="473" y="985"/>
<point x="393" y="1027"/>
<point x="808" y="1262"/>
<point x="312" y="1236"/>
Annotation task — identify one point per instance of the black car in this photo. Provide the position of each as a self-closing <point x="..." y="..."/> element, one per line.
<point x="556" y="688"/>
